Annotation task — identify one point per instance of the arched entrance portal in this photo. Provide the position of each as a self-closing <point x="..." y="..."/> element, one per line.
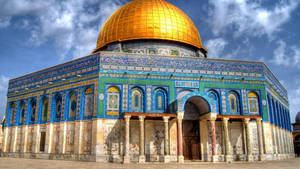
<point x="193" y="107"/>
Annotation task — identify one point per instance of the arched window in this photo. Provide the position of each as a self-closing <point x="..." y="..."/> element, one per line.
<point x="88" y="102"/>
<point x="58" y="107"/>
<point x="13" y="110"/>
<point x="72" y="105"/>
<point x="22" y="115"/>
<point x="233" y="103"/>
<point x="160" y="100"/>
<point x="33" y="110"/>
<point x="113" y="101"/>
<point x="137" y="100"/>
<point x="45" y="109"/>
<point x="212" y="94"/>
<point x="253" y="103"/>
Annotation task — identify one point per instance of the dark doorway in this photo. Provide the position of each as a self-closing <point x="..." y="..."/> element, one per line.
<point x="193" y="108"/>
<point x="42" y="142"/>
<point x="191" y="140"/>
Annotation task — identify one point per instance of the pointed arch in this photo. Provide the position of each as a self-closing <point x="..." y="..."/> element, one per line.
<point x="88" y="102"/>
<point x="72" y="106"/>
<point x="233" y="103"/>
<point x="160" y="100"/>
<point x="32" y="110"/>
<point x="137" y="100"/>
<point x="58" y="107"/>
<point x="253" y="103"/>
<point x="45" y="108"/>
<point x="113" y="95"/>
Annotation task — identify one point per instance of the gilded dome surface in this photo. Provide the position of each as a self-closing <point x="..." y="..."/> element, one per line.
<point x="149" y="19"/>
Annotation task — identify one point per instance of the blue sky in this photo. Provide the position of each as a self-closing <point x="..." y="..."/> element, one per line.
<point x="36" y="34"/>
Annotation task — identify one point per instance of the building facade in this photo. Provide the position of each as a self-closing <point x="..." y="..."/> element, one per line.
<point x="296" y="134"/>
<point x="149" y="93"/>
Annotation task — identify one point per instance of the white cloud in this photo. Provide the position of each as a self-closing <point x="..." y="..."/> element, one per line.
<point x="249" y="17"/>
<point x="73" y="26"/>
<point x="3" y="92"/>
<point x="216" y="47"/>
<point x="4" y="21"/>
<point x="287" y="56"/>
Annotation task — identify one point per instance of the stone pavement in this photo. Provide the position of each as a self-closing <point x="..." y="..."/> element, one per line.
<point x="16" y="163"/>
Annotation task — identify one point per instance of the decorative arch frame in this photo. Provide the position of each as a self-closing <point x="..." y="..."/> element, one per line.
<point x="43" y="109"/>
<point x="86" y="95"/>
<point x="116" y="94"/>
<point x="142" y="105"/>
<point x="229" y="103"/>
<point x="12" y="109"/>
<point x="160" y="96"/>
<point x="31" y="109"/>
<point x="71" y="105"/>
<point x="22" y="112"/>
<point x="57" y="107"/>
<point x="258" y="101"/>
<point x="182" y="101"/>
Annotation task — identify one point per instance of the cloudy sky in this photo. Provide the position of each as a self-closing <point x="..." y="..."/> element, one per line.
<point x="36" y="34"/>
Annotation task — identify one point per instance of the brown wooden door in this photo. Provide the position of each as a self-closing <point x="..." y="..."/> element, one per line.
<point x="42" y="142"/>
<point x="191" y="140"/>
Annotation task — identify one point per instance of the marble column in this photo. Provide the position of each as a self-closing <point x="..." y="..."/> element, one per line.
<point x="25" y="143"/>
<point x="166" y="143"/>
<point x="248" y="138"/>
<point x="6" y="141"/>
<point x="228" y="154"/>
<point x="260" y="139"/>
<point x="37" y="138"/>
<point x="213" y="140"/>
<point x="127" y="144"/>
<point x="142" y="158"/>
<point x="15" y="140"/>
<point x="64" y="138"/>
<point x="179" y="140"/>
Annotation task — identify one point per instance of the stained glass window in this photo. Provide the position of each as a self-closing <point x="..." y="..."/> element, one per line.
<point x="72" y="105"/>
<point x="137" y="100"/>
<point x="45" y="109"/>
<point x="88" y="102"/>
<point x="160" y="100"/>
<point x="113" y="101"/>
<point x="22" y="116"/>
<point x="12" y="113"/>
<point x="233" y="104"/>
<point x="33" y="110"/>
<point x="253" y="103"/>
<point x="58" y="102"/>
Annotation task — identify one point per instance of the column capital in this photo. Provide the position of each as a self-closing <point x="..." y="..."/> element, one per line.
<point x="127" y="117"/>
<point x="259" y="119"/>
<point x="246" y="120"/>
<point x="166" y="118"/>
<point x="141" y="118"/>
<point x="225" y="119"/>
<point x="212" y="119"/>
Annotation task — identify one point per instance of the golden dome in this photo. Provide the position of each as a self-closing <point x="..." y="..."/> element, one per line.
<point x="149" y="19"/>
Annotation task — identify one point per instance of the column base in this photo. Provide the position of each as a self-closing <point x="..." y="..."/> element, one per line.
<point x="228" y="158"/>
<point x="261" y="157"/>
<point x="214" y="158"/>
<point x="180" y="159"/>
<point x="142" y="159"/>
<point x="126" y="160"/>
<point x="166" y="159"/>
<point x="250" y="158"/>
